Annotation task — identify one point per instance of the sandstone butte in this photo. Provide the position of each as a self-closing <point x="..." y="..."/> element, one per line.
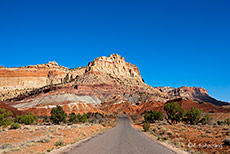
<point x="107" y="85"/>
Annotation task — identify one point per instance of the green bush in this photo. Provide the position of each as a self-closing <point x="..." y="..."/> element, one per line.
<point x="79" y="117"/>
<point x="83" y="118"/>
<point x="193" y="116"/>
<point x="227" y="121"/>
<point x="174" y="112"/>
<point x="146" y="126"/>
<point x="73" y="118"/>
<point x="49" y="150"/>
<point x="205" y="119"/>
<point x="58" y="115"/>
<point x="18" y="119"/>
<point x="15" y="126"/>
<point x="159" y="116"/>
<point x="26" y="119"/>
<point x="5" y="117"/>
<point x="151" y="116"/>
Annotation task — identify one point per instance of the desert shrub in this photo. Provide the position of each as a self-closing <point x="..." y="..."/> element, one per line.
<point x="95" y="117"/>
<point x="17" y="119"/>
<point x="26" y="119"/>
<point x="46" y="118"/>
<point x="15" y="126"/>
<point x="48" y="150"/>
<point x="79" y="116"/>
<point x="58" y="115"/>
<point x="6" y="146"/>
<point x="96" y="114"/>
<point x="29" y="118"/>
<point x="151" y="116"/>
<point x="73" y="118"/>
<point x="205" y="119"/>
<point x="43" y="140"/>
<point x="227" y="121"/>
<point x="148" y="116"/>
<point x="146" y="126"/>
<point x="193" y="116"/>
<point x="174" y="112"/>
<point x="159" y="116"/>
<point x="89" y="114"/>
<point x="83" y="118"/>
<point x="59" y="143"/>
<point x="219" y="122"/>
<point x="5" y="117"/>
<point x="99" y="117"/>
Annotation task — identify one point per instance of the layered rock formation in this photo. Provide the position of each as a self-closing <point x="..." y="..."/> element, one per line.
<point x="36" y="76"/>
<point x="14" y="81"/>
<point x="192" y="93"/>
<point x="108" y="84"/>
<point x="116" y="66"/>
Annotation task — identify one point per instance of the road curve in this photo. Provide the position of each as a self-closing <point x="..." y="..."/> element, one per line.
<point x="122" y="139"/>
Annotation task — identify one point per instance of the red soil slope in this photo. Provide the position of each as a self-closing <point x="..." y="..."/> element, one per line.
<point x="12" y="109"/>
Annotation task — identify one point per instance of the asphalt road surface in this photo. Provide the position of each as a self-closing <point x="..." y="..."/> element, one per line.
<point x="122" y="139"/>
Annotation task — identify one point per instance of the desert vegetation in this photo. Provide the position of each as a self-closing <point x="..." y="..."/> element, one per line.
<point x="6" y="119"/>
<point x="58" y="115"/>
<point x="26" y="119"/>
<point x="152" y="116"/>
<point x="175" y="113"/>
<point x="193" y="130"/>
<point x="43" y="134"/>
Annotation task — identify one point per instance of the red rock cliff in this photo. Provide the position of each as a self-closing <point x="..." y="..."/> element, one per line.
<point x="114" y="65"/>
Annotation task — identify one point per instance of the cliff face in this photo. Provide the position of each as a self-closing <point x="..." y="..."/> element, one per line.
<point x="192" y="93"/>
<point x="107" y="84"/>
<point x="185" y="92"/>
<point x="116" y="66"/>
<point x="17" y="81"/>
<point x="36" y="76"/>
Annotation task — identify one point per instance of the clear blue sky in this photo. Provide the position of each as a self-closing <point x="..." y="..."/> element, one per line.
<point x="174" y="43"/>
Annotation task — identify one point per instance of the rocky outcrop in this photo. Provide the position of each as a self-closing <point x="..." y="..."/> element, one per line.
<point x="14" y="81"/>
<point x="36" y="76"/>
<point x="116" y="66"/>
<point x="183" y="91"/>
<point x="192" y="93"/>
<point x="107" y="84"/>
<point x="51" y="64"/>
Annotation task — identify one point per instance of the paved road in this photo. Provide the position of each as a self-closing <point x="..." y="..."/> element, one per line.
<point x="122" y="139"/>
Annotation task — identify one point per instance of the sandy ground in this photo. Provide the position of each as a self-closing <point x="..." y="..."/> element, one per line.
<point x="194" y="139"/>
<point x="42" y="139"/>
<point x="177" y="150"/>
